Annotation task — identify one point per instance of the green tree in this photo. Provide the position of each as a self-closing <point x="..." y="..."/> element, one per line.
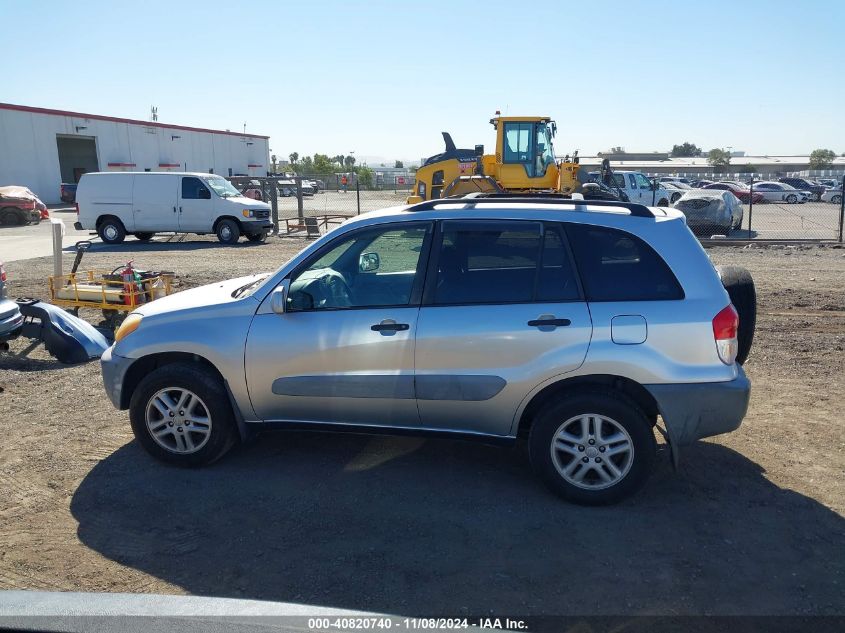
<point x="822" y="158"/>
<point x="273" y="160"/>
<point x="365" y="177"/>
<point x="294" y="156"/>
<point x="719" y="159"/>
<point x="306" y="167"/>
<point x="685" y="149"/>
<point x="398" y="164"/>
<point x="349" y="162"/>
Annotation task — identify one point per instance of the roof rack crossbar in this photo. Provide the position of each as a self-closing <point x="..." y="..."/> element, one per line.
<point x="474" y="199"/>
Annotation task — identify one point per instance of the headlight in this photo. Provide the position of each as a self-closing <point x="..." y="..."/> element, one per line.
<point x="129" y="325"/>
<point x="248" y="213"/>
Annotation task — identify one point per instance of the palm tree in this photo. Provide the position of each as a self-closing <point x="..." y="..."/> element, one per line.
<point x="294" y="156"/>
<point x="338" y="159"/>
<point x="349" y="161"/>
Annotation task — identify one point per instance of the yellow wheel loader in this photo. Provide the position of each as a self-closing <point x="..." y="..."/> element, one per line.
<point x="524" y="163"/>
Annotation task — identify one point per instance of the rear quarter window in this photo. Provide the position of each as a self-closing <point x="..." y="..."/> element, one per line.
<point x="618" y="266"/>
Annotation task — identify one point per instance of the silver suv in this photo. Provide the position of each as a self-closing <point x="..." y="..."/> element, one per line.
<point x="570" y="324"/>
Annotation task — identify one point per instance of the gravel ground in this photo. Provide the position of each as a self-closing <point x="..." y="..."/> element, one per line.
<point x="752" y="523"/>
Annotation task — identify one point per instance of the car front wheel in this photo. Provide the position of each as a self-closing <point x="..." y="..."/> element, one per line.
<point x="592" y="448"/>
<point x="228" y="232"/>
<point x="181" y="415"/>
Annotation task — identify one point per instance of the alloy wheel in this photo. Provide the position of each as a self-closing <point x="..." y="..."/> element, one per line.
<point x="592" y="451"/>
<point x="178" y="420"/>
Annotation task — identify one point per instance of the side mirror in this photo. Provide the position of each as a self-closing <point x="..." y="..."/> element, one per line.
<point x="368" y="262"/>
<point x="278" y="298"/>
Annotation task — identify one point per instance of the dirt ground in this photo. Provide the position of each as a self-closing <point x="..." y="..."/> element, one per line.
<point x="751" y="524"/>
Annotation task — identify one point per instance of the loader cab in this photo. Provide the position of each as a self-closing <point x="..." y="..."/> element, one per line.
<point x="525" y="152"/>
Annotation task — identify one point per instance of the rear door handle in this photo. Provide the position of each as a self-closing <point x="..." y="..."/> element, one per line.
<point x="553" y="322"/>
<point x="389" y="326"/>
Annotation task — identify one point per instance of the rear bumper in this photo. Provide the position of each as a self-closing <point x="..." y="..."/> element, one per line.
<point x="114" y="370"/>
<point x="697" y="410"/>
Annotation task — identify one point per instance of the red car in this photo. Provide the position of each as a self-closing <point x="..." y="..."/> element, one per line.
<point x="740" y="191"/>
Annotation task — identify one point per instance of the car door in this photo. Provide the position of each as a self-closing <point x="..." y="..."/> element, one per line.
<point x="502" y="313"/>
<point x="343" y="350"/>
<point x="195" y="206"/>
<point x="154" y="202"/>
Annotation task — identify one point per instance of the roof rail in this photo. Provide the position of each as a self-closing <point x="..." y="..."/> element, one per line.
<point x="477" y="199"/>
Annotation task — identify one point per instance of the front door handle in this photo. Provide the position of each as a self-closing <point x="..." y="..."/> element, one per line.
<point x="552" y="322"/>
<point x="389" y="326"/>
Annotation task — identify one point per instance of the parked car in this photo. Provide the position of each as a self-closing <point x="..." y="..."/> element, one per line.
<point x="833" y="195"/>
<point x="18" y="205"/>
<point x="711" y="211"/>
<point x="830" y="183"/>
<point x="638" y="187"/>
<point x="698" y="184"/>
<point x="116" y="204"/>
<point x="740" y="190"/>
<point x="781" y="192"/>
<point x="815" y="190"/>
<point x="498" y="340"/>
<point x="677" y="181"/>
<point x="674" y="190"/>
<point x="67" y="192"/>
<point x="11" y="320"/>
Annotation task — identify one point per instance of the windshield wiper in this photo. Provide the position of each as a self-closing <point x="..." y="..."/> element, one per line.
<point x="237" y="292"/>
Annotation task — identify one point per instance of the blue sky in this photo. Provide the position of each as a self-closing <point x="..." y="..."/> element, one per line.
<point x="384" y="78"/>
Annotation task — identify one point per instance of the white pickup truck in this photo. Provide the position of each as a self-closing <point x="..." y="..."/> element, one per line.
<point x="639" y="188"/>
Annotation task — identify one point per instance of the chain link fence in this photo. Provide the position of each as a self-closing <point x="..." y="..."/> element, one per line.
<point x="777" y="208"/>
<point x="770" y="211"/>
<point x="303" y="205"/>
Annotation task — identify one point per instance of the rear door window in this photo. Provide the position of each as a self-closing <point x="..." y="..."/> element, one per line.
<point x="618" y="266"/>
<point x="503" y="262"/>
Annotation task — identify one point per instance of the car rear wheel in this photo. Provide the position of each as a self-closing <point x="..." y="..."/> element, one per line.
<point x="592" y="448"/>
<point x="228" y="232"/>
<point x="257" y="237"/>
<point x="144" y="237"/>
<point x="111" y="230"/>
<point x="180" y="414"/>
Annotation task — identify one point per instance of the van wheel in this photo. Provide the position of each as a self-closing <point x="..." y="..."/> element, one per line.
<point x="257" y="237"/>
<point x="111" y="230"/>
<point x="592" y="448"/>
<point x="228" y="232"/>
<point x="180" y="414"/>
<point x="144" y="237"/>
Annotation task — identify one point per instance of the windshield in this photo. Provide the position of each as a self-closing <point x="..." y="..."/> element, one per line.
<point x="222" y="187"/>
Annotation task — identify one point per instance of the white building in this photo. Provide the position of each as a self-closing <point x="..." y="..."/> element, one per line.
<point x="42" y="148"/>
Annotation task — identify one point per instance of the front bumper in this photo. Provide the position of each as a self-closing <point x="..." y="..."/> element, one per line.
<point x="114" y="370"/>
<point x="256" y="228"/>
<point x="696" y="410"/>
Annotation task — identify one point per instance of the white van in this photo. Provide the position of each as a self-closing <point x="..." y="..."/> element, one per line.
<point x="143" y="203"/>
<point x="639" y="188"/>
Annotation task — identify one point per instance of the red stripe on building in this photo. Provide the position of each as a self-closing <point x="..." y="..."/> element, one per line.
<point x="113" y="119"/>
<point x="121" y="164"/>
<point x="169" y="165"/>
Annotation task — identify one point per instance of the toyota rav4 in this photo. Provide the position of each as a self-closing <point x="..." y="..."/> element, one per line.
<point x="571" y="324"/>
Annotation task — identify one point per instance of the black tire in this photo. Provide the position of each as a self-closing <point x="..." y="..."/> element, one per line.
<point x="10" y="216"/>
<point x="836" y="199"/>
<point x="257" y="237"/>
<point x="675" y="197"/>
<point x="740" y="286"/>
<point x="209" y="388"/>
<point x="144" y="237"/>
<point x="791" y="198"/>
<point x="598" y="401"/>
<point x="111" y="230"/>
<point x="663" y="202"/>
<point x="228" y="232"/>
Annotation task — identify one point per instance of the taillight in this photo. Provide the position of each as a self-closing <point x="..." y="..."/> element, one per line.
<point x="725" y="327"/>
<point x="2" y="273"/>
